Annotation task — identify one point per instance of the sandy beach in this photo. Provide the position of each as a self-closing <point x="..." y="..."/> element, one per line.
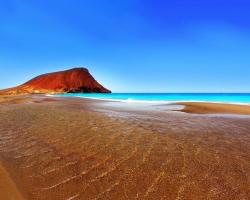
<point x="72" y="148"/>
<point x="215" y="108"/>
<point x="8" y="189"/>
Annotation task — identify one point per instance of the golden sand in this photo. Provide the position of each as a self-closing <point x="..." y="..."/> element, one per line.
<point x="213" y="108"/>
<point x="83" y="149"/>
<point x="8" y="189"/>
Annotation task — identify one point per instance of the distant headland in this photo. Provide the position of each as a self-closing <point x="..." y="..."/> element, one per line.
<point x="75" y="80"/>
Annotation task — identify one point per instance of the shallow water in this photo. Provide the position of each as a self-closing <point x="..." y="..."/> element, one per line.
<point x="243" y="98"/>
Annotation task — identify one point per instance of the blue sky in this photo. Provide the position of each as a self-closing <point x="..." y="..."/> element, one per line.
<point x="130" y="45"/>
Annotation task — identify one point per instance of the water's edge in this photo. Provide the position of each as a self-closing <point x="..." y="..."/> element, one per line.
<point x="167" y="98"/>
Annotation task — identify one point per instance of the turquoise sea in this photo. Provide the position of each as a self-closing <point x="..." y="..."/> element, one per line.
<point x="240" y="98"/>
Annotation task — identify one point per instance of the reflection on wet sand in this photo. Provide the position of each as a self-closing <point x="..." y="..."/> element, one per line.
<point x="82" y="149"/>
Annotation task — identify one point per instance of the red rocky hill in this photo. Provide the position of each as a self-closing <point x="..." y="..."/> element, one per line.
<point x="76" y="80"/>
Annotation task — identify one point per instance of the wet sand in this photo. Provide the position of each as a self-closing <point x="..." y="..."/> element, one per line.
<point x="8" y="189"/>
<point x="215" y="108"/>
<point x="62" y="148"/>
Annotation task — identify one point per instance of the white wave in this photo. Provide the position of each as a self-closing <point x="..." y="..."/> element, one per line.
<point x="51" y="95"/>
<point x="130" y="100"/>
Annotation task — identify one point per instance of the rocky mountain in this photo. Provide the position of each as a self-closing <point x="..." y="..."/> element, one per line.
<point x="76" y="80"/>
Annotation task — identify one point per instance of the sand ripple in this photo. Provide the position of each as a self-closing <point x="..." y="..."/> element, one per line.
<point x="64" y="151"/>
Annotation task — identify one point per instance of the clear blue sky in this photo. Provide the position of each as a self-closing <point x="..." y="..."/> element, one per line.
<point x="130" y="45"/>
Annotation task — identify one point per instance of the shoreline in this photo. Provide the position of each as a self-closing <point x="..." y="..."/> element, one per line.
<point x="153" y="101"/>
<point x="189" y="107"/>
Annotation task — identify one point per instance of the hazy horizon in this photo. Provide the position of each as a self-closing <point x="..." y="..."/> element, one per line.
<point x="130" y="46"/>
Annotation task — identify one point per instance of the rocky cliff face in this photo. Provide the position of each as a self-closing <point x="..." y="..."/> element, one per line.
<point x="76" y="80"/>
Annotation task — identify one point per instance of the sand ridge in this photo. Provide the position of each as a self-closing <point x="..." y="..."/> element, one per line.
<point x="215" y="108"/>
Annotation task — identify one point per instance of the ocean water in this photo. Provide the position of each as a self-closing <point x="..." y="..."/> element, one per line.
<point x="239" y="98"/>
